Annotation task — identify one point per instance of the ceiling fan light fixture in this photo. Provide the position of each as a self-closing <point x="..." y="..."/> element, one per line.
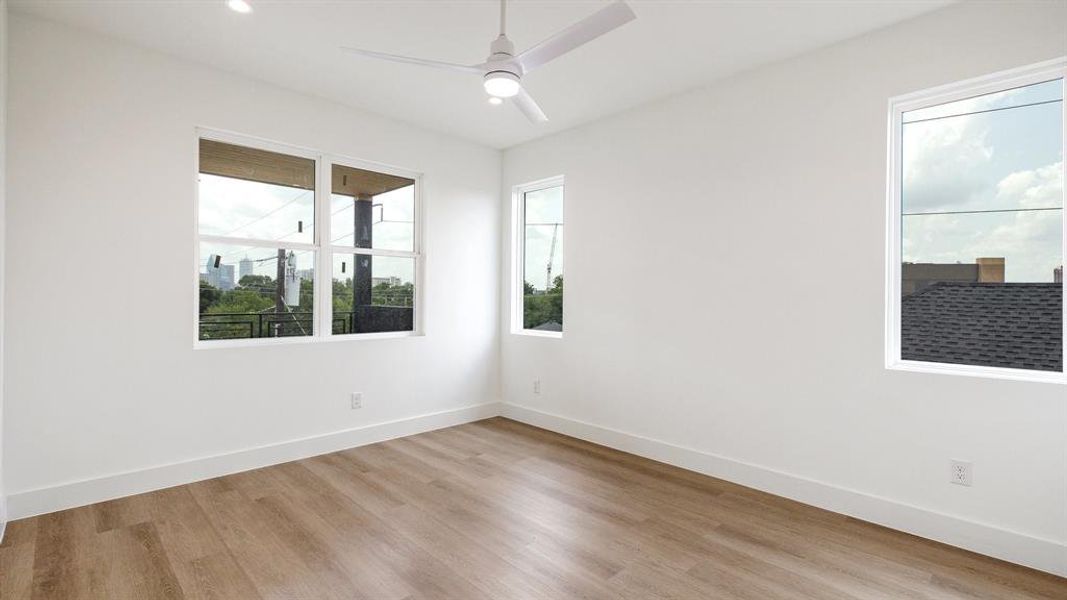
<point x="240" y="6"/>
<point x="501" y="84"/>
<point x="502" y="72"/>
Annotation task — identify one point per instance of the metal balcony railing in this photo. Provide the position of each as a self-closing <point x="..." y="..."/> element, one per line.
<point x="228" y="326"/>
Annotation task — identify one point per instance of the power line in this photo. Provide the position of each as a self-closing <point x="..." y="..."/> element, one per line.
<point x="977" y="212"/>
<point x="979" y="112"/>
<point x="291" y="200"/>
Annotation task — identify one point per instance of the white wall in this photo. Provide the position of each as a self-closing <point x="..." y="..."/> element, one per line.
<point x="724" y="304"/>
<point x="103" y="379"/>
<point x="3" y="188"/>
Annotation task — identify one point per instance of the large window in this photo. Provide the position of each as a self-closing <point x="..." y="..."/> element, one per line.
<point x="281" y="254"/>
<point x="538" y="291"/>
<point x="976" y="242"/>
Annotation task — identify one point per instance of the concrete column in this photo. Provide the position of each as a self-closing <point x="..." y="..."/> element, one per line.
<point x="361" y="275"/>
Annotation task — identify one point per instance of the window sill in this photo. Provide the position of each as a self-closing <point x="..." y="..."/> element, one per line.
<point x="915" y="366"/>
<point x="541" y="334"/>
<point x="296" y="341"/>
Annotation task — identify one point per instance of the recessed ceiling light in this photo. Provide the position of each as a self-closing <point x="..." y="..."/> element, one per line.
<point x="495" y="101"/>
<point x="240" y="6"/>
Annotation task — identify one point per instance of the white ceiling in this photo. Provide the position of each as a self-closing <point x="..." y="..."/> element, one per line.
<point x="671" y="47"/>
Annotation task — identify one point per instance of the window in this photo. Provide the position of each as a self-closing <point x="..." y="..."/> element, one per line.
<point x="976" y="227"/>
<point x="538" y="251"/>
<point x="279" y="257"/>
<point x="372" y="240"/>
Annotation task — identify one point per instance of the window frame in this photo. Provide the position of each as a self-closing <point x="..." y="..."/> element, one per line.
<point x="898" y="105"/>
<point x="518" y="252"/>
<point x="324" y="251"/>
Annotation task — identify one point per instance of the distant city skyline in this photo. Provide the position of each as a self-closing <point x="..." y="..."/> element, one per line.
<point x="239" y="208"/>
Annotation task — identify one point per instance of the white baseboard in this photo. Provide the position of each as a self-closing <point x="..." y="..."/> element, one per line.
<point x="80" y="493"/>
<point x="1038" y="553"/>
<point x="3" y="516"/>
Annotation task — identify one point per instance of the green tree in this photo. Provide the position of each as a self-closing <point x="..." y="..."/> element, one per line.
<point x="258" y="282"/>
<point x="224" y="318"/>
<point x="386" y="294"/>
<point x="342" y="296"/>
<point x="307" y="297"/>
<point x="242" y="300"/>
<point x="209" y="295"/>
<point x="538" y="309"/>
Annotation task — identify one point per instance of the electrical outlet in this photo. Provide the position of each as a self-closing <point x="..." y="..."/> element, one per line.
<point x="537" y="386"/>
<point x="357" y="400"/>
<point x="961" y="472"/>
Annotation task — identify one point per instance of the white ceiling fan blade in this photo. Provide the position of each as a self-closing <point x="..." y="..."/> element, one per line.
<point x="479" y="69"/>
<point x="528" y="107"/>
<point x="588" y="29"/>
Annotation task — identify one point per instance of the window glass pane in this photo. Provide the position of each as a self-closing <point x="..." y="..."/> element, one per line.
<point x="249" y="193"/>
<point x="986" y="161"/>
<point x="243" y="294"/>
<point x="543" y="253"/>
<point x="380" y="207"/>
<point x="982" y="231"/>
<point x="373" y="293"/>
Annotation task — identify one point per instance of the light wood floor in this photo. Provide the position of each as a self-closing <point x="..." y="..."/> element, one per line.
<point x="493" y="509"/>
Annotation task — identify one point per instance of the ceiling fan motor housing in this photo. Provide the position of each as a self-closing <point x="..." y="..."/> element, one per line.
<point x="501" y="57"/>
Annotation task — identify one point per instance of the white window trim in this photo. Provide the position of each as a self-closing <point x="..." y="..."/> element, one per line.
<point x="323" y="250"/>
<point x="1022" y="76"/>
<point x="518" y="251"/>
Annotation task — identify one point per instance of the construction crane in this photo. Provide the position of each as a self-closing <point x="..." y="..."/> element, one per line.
<point x="551" y="253"/>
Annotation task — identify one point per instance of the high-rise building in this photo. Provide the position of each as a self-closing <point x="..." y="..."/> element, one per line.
<point x="221" y="278"/>
<point x="244" y="268"/>
<point x="1057" y="274"/>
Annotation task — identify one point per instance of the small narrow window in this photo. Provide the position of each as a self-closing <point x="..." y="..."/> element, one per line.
<point x="977" y="227"/>
<point x="539" y="258"/>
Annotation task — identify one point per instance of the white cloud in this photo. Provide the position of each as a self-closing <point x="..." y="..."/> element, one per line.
<point x="945" y="164"/>
<point x="1036" y="188"/>
<point x="1030" y="242"/>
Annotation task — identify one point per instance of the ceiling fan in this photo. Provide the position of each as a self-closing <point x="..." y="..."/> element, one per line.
<point x="502" y="72"/>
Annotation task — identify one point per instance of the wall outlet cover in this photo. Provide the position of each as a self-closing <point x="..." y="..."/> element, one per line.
<point x="961" y="472"/>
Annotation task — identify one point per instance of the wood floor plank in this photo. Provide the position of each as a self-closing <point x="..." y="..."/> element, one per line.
<point x="488" y="510"/>
<point x="16" y="559"/>
<point x="218" y="577"/>
<point x="276" y="570"/>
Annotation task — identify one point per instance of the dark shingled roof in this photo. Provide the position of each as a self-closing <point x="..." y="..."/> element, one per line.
<point x="1015" y="325"/>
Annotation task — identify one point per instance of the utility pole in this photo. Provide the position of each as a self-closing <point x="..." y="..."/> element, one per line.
<point x="279" y="292"/>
